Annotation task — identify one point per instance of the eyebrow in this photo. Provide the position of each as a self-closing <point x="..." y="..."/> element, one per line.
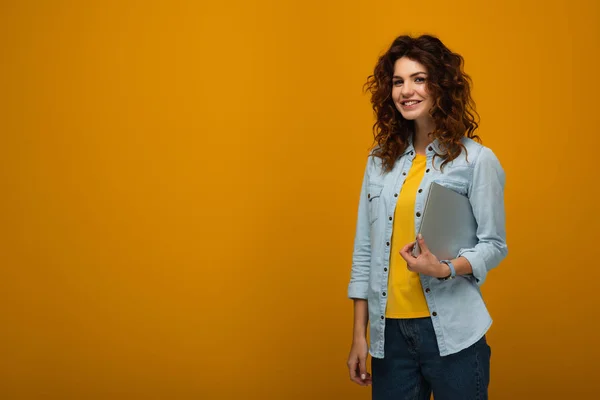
<point x="415" y="74"/>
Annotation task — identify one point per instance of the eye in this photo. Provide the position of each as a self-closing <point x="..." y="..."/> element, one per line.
<point x="397" y="82"/>
<point x="420" y="79"/>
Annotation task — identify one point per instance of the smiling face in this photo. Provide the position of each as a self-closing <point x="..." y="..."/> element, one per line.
<point x="409" y="89"/>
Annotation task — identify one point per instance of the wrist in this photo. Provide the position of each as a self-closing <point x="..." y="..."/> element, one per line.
<point x="443" y="270"/>
<point x="449" y="267"/>
<point x="359" y="332"/>
<point x="359" y="337"/>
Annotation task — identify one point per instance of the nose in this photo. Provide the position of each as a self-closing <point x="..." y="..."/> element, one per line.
<point x="407" y="90"/>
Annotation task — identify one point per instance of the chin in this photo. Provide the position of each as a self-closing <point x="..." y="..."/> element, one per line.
<point x="411" y="116"/>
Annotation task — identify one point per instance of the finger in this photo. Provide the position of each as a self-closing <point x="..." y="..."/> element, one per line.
<point x="406" y="254"/>
<point x="363" y="367"/>
<point x="352" y="366"/>
<point x="365" y="382"/>
<point x="354" y="372"/>
<point x="422" y="244"/>
<point x="359" y="379"/>
<point x="408" y="248"/>
<point x="369" y="380"/>
<point x="406" y="251"/>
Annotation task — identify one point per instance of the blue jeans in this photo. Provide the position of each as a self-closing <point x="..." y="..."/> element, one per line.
<point x="413" y="368"/>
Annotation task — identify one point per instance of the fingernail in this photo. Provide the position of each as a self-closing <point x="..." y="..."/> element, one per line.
<point x="363" y="376"/>
<point x="420" y="236"/>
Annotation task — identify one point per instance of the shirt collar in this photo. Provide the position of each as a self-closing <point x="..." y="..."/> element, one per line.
<point x="435" y="147"/>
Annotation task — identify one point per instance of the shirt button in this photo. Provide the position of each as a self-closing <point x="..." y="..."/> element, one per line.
<point x="434" y="314"/>
<point x="430" y="148"/>
<point x="390" y="218"/>
<point x="427" y="170"/>
<point x="418" y="214"/>
<point x="395" y="194"/>
<point x="382" y="317"/>
<point x="385" y="270"/>
<point x="369" y="196"/>
<point x="427" y="290"/>
<point x="387" y="243"/>
<point x="420" y="190"/>
<point x="404" y="173"/>
<point x="383" y="294"/>
<point x="412" y="152"/>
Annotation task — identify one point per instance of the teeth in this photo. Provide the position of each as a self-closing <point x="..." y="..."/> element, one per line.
<point x="410" y="103"/>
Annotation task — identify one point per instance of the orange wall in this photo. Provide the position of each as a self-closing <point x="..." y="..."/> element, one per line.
<point x="180" y="182"/>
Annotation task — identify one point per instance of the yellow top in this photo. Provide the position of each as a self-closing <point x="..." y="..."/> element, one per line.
<point x="405" y="293"/>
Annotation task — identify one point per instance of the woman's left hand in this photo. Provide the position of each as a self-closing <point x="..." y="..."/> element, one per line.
<point x="425" y="263"/>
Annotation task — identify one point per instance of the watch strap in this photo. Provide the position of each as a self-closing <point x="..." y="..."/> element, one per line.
<point x="452" y="270"/>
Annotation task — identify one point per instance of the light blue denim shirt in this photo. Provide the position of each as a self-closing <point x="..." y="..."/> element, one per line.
<point x="456" y="306"/>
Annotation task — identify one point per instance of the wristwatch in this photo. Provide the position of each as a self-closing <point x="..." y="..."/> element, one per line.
<point x="452" y="270"/>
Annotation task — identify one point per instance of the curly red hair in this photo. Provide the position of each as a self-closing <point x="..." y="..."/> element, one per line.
<point x="453" y="111"/>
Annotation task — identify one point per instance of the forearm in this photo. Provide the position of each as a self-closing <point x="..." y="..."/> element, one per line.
<point x="462" y="266"/>
<point x="361" y="318"/>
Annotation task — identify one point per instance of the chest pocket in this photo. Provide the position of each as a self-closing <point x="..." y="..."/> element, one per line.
<point x="374" y="197"/>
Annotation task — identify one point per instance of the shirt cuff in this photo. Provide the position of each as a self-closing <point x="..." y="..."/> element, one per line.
<point x="358" y="290"/>
<point x="477" y="264"/>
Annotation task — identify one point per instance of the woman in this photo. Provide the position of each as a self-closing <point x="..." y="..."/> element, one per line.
<point x="428" y="321"/>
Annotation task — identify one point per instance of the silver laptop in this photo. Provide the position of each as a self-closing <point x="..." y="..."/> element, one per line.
<point x="448" y="223"/>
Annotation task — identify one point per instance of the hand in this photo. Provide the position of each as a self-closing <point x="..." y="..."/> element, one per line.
<point x="357" y="363"/>
<point x="426" y="263"/>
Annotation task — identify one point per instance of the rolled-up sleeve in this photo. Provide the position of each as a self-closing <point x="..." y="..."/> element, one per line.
<point x="361" y="257"/>
<point x="486" y="195"/>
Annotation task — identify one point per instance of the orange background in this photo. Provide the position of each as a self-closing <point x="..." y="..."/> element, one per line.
<point x="180" y="183"/>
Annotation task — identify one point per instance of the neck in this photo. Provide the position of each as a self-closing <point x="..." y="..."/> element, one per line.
<point x="422" y="138"/>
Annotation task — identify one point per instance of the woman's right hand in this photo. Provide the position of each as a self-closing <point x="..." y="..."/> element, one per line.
<point x="357" y="362"/>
